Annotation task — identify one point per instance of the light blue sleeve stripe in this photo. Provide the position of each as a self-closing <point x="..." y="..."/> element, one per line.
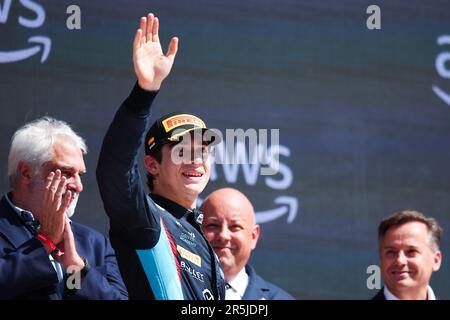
<point x="159" y="267"/>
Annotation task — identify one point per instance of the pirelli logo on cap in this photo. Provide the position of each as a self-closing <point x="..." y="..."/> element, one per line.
<point x="180" y="120"/>
<point x="192" y="257"/>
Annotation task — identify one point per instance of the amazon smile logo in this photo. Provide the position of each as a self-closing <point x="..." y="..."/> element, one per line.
<point x="441" y="65"/>
<point x="36" y="43"/>
<point x="284" y="206"/>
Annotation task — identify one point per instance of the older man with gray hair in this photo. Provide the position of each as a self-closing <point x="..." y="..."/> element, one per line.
<point x="43" y="254"/>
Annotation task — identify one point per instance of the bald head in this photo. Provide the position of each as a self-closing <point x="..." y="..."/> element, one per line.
<point x="229" y="225"/>
<point x="229" y="200"/>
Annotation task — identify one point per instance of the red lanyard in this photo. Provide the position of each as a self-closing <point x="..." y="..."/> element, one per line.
<point x="50" y="244"/>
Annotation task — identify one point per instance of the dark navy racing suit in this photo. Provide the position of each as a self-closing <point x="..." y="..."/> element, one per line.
<point x="161" y="250"/>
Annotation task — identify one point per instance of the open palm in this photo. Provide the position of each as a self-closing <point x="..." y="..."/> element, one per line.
<point x="150" y="64"/>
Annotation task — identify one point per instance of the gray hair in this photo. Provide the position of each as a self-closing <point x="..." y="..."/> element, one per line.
<point x="33" y="143"/>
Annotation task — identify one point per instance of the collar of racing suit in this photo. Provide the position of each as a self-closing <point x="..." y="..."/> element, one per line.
<point x="174" y="208"/>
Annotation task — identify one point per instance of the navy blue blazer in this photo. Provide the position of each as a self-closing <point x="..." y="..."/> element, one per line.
<point x="260" y="289"/>
<point x="379" y="295"/>
<point x="27" y="273"/>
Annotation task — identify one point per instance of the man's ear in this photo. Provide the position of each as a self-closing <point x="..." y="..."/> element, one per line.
<point x="151" y="165"/>
<point x="437" y="259"/>
<point x="25" y="172"/>
<point x="255" y="235"/>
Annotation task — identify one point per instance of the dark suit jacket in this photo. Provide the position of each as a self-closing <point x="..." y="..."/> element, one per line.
<point x="258" y="288"/>
<point x="379" y="295"/>
<point x="27" y="273"/>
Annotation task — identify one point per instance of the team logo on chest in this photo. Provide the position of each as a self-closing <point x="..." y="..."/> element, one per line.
<point x="188" y="238"/>
<point x="192" y="272"/>
<point x="192" y="257"/>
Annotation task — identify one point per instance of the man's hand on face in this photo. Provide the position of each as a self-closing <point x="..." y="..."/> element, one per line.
<point x="55" y="201"/>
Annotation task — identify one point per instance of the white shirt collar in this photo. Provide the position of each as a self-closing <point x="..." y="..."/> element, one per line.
<point x="390" y="296"/>
<point x="239" y="283"/>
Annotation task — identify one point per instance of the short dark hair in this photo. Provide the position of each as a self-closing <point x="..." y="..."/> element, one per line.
<point x="402" y="217"/>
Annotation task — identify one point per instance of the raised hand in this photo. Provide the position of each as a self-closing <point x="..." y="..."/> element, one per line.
<point x="55" y="201"/>
<point x="150" y="64"/>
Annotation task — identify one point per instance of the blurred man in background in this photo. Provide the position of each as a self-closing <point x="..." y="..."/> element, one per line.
<point x="229" y="225"/>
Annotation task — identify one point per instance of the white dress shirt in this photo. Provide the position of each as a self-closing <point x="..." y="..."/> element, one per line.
<point x="390" y="296"/>
<point x="235" y="288"/>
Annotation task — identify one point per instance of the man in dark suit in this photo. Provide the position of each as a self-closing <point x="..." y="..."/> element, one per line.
<point x="43" y="254"/>
<point x="229" y="225"/>
<point x="409" y="254"/>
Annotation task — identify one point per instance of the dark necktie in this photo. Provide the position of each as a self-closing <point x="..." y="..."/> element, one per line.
<point x="29" y="222"/>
